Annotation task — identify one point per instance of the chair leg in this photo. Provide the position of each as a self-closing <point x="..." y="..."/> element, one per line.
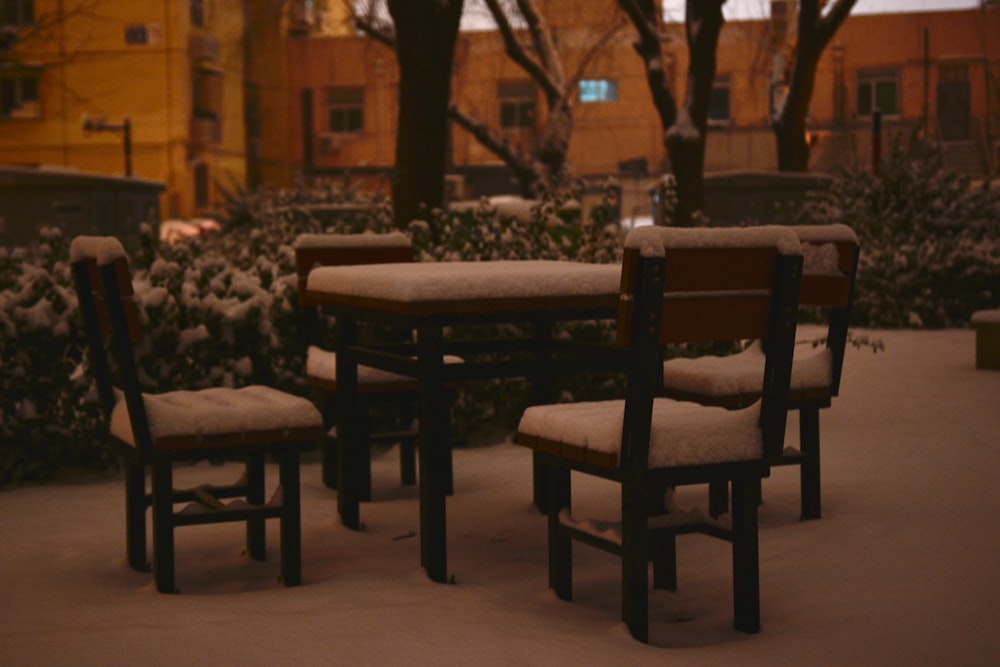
<point x="329" y="451"/>
<point x="329" y="445"/>
<point x="291" y="519"/>
<point x="635" y="564"/>
<point x="407" y="462"/>
<point x="560" y="544"/>
<point x="135" y="516"/>
<point x="718" y="498"/>
<point x="539" y="479"/>
<point x="809" y="469"/>
<point x="663" y="545"/>
<point x="163" y="526"/>
<point x="364" y="459"/>
<point x="256" y="529"/>
<point x="746" y="566"/>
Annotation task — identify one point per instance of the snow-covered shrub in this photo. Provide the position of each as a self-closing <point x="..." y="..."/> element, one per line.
<point x="222" y="310"/>
<point x="48" y="409"/>
<point x="930" y="243"/>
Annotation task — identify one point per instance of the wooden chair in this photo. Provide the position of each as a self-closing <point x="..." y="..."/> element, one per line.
<point x="830" y="264"/>
<point x="155" y="430"/>
<point x="377" y="387"/>
<point x="678" y="285"/>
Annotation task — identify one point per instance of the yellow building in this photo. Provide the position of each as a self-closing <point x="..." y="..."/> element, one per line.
<point x="79" y="73"/>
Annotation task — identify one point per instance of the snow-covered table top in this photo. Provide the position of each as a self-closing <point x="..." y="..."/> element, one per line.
<point x="432" y="288"/>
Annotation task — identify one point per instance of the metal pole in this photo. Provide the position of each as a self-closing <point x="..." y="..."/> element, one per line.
<point x="876" y="139"/>
<point x="127" y="141"/>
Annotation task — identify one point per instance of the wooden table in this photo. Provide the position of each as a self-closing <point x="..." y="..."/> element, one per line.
<point x="428" y="298"/>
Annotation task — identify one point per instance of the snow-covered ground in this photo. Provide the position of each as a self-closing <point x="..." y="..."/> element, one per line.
<point x="902" y="569"/>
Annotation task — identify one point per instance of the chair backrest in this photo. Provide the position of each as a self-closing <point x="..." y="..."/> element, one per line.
<point x="830" y="267"/>
<point x="699" y="285"/>
<point x="314" y="250"/>
<point x="111" y="315"/>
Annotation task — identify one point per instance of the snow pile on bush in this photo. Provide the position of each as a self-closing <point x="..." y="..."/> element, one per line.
<point x="930" y="243"/>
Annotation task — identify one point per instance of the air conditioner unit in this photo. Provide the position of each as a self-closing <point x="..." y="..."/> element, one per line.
<point x="330" y="143"/>
<point x="203" y="48"/>
<point x="205" y="131"/>
<point x="454" y="187"/>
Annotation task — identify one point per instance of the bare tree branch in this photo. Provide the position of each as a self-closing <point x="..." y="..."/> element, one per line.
<point x="487" y="136"/>
<point x="814" y="33"/>
<point x="643" y="14"/>
<point x="371" y="25"/>
<point x="541" y="36"/>
<point x="517" y="53"/>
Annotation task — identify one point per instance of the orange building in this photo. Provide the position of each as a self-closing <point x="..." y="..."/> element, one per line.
<point x="933" y="73"/>
<point x="231" y="93"/>
<point x="172" y="91"/>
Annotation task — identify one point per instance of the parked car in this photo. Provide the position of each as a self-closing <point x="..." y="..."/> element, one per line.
<point x="172" y="231"/>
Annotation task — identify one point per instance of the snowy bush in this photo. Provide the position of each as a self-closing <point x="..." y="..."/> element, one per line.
<point x="222" y="311"/>
<point x="930" y="243"/>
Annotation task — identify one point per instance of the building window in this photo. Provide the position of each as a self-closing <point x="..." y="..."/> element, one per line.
<point x="517" y="104"/>
<point x="718" y="103"/>
<point x="878" y="89"/>
<point x="598" y="90"/>
<point x="201" y="186"/>
<point x="17" y="13"/>
<point x="197" y="13"/>
<point x="345" y="110"/>
<point x="206" y="94"/>
<point x="19" y="95"/>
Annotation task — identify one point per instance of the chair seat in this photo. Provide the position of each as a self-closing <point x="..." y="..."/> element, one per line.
<point x="321" y="371"/>
<point x="738" y="376"/>
<point x="222" y="417"/>
<point x="683" y="434"/>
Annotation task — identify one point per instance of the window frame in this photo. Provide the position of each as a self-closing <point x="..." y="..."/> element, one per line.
<point x="206" y="93"/>
<point x="517" y="105"/>
<point x="22" y="98"/>
<point x="20" y="12"/>
<point x="348" y="103"/>
<point x="196" y="13"/>
<point x="596" y="91"/>
<point x="870" y="80"/>
<point x="721" y="83"/>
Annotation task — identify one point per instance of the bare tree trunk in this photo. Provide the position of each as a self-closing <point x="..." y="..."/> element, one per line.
<point x="683" y="130"/>
<point x="789" y="123"/>
<point x="686" y="138"/>
<point x="425" y="35"/>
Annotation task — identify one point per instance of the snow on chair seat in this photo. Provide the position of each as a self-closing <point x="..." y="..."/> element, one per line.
<point x="220" y="417"/>
<point x="681" y="434"/>
<point x="733" y="381"/>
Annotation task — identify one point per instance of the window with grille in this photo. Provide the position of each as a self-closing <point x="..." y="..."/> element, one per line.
<point x="718" y="102"/>
<point x="517" y="104"/>
<point x="197" y="13"/>
<point x="206" y="94"/>
<point x="598" y="90"/>
<point x="878" y="89"/>
<point x="345" y="110"/>
<point x="19" y="95"/>
<point x="201" y="185"/>
<point x="17" y="13"/>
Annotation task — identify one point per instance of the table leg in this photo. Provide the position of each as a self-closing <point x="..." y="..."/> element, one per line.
<point x="348" y="431"/>
<point x="434" y="454"/>
<point x="542" y="392"/>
